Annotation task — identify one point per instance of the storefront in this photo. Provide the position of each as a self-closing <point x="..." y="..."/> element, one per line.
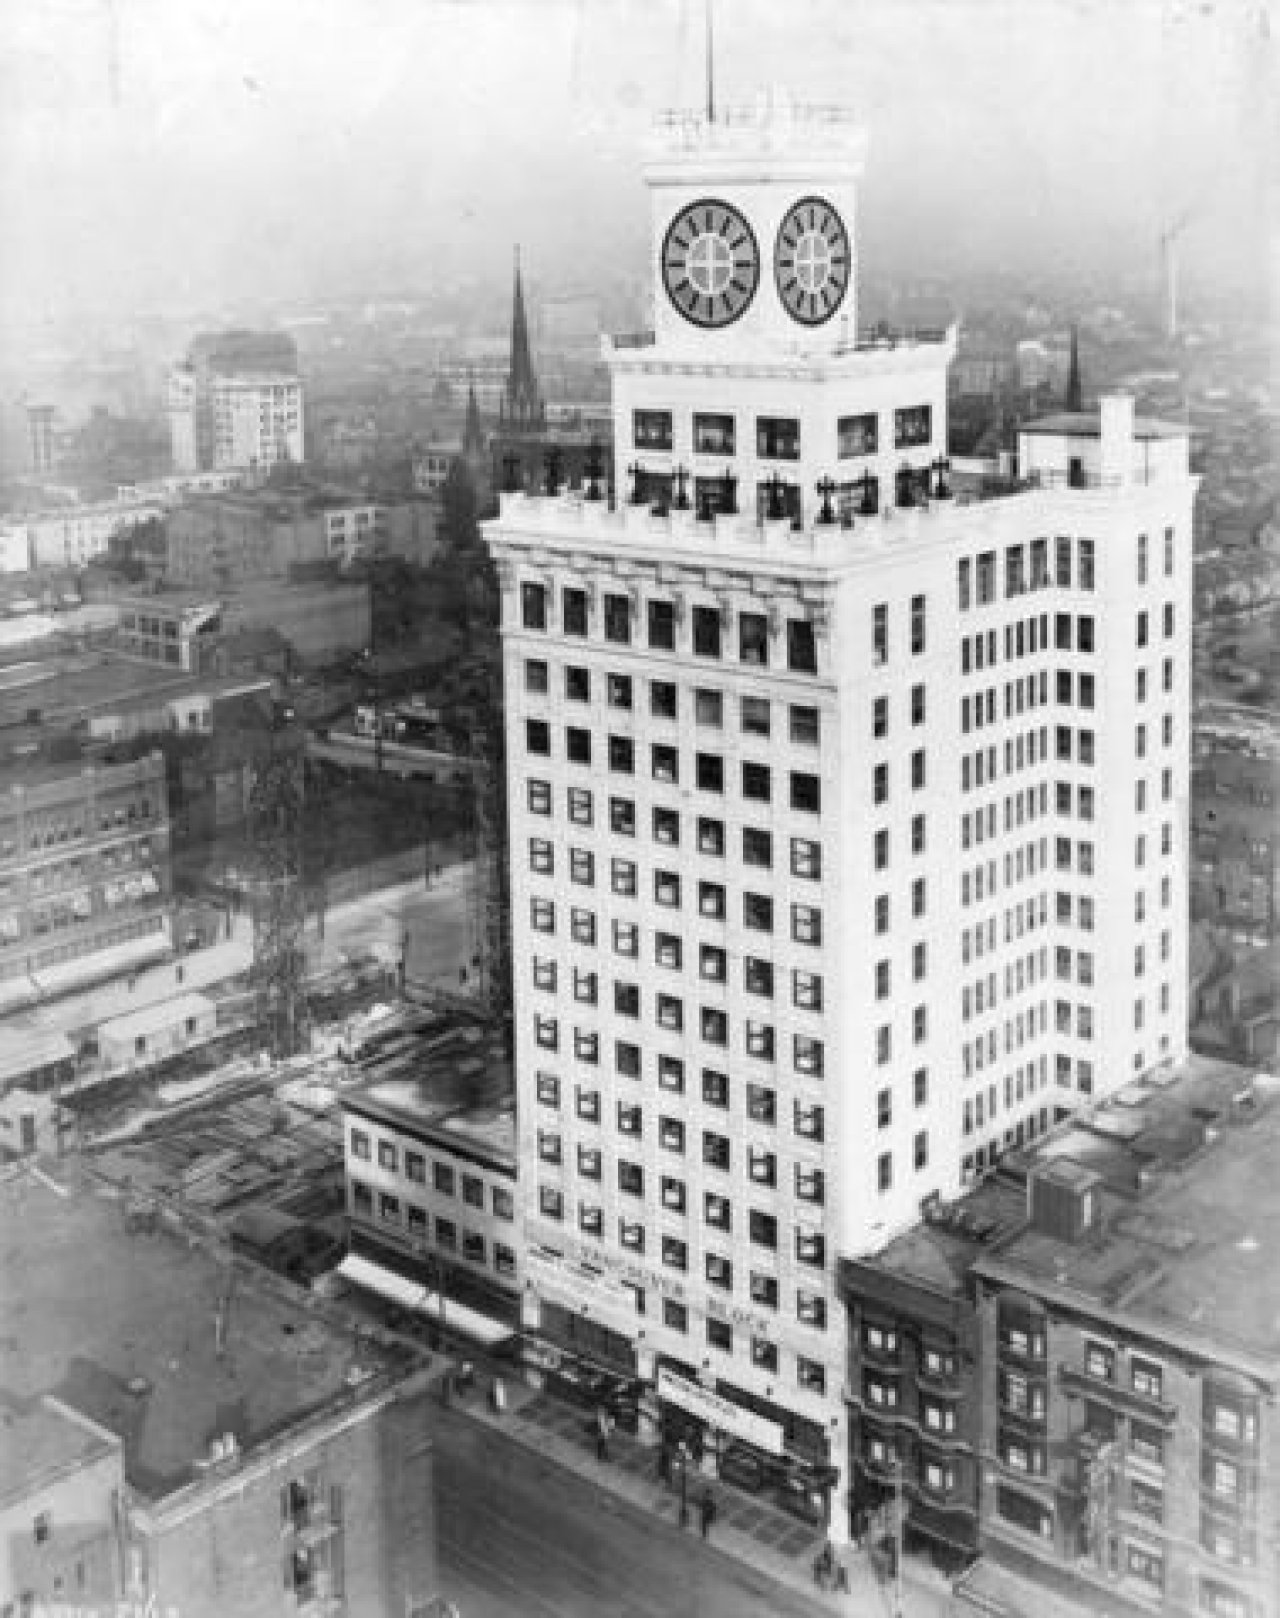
<point x="573" y="1339"/>
<point x="747" y="1441"/>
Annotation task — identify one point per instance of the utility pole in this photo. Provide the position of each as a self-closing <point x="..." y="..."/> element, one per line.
<point x="897" y="1536"/>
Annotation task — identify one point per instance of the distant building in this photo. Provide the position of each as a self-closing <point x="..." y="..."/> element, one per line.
<point x="323" y="620"/>
<point x="236" y="401"/>
<point x="84" y="871"/>
<point x="273" y="1462"/>
<point x="41" y="438"/>
<point x="70" y="536"/>
<point x="1235" y="839"/>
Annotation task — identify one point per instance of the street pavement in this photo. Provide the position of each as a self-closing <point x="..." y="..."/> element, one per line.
<point x="523" y="1537"/>
<point x="552" y="1521"/>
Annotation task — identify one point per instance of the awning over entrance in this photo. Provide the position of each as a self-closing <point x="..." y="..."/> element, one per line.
<point x="454" y="1316"/>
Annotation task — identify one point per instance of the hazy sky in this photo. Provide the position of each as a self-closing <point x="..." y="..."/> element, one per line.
<point x="159" y="152"/>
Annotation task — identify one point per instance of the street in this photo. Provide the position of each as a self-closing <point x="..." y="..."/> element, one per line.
<point x="520" y="1537"/>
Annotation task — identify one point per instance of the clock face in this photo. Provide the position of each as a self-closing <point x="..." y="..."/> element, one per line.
<point x="710" y="263"/>
<point x="812" y="261"/>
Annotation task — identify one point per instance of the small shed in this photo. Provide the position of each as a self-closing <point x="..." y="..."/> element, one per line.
<point x="144" y="1037"/>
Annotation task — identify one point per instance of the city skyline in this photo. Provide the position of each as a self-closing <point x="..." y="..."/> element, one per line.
<point x="157" y="158"/>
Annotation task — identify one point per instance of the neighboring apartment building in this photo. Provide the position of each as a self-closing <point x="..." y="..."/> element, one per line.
<point x="236" y="401"/>
<point x="62" y="1497"/>
<point x="848" y="817"/>
<point x="84" y="870"/>
<point x="322" y="620"/>
<point x="1131" y="1362"/>
<point x="1235" y="881"/>
<point x="274" y="1463"/>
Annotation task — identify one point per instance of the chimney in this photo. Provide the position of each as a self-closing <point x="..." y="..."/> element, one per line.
<point x="1115" y="457"/>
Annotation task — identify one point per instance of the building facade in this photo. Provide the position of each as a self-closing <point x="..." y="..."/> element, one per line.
<point x="84" y="870"/>
<point x="827" y="837"/>
<point x="236" y="401"/>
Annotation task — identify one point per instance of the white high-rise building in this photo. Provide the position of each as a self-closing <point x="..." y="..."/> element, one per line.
<point x="848" y="806"/>
<point x="236" y="402"/>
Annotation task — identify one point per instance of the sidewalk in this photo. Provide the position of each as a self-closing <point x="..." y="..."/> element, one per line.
<point x="750" y="1529"/>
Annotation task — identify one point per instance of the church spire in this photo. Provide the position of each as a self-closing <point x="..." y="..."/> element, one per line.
<point x="473" y="431"/>
<point x="523" y="402"/>
<point x="1075" y="398"/>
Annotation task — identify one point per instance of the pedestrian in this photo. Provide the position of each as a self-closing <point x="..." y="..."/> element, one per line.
<point x="706" y="1512"/>
<point x="602" y="1434"/>
<point x="664" y="1463"/>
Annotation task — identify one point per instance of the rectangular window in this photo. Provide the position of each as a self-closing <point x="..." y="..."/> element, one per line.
<point x="753" y="639"/>
<point x="651" y="429"/>
<point x="706" y="632"/>
<point x="662" y="626"/>
<point x="574" y="609"/>
<point x="536" y="677"/>
<point x="708" y="708"/>
<point x="533" y="606"/>
<point x="857" y="435"/>
<point x="879" y="635"/>
<point x="622" y="817"/>
<point x="622" y="759"/>
<point x="806" y="792"/>
<point x="713" y="434"/>
<point x="912" y="426"/>
<point x="777" y="438"/>
<point x="710" y="836"/>
<point x="917" y="625"/>
<point x="802" y="646"/>
<point x="754" y="716"/>
<point x="756" y="782"/>
<point x="617" y="619"/>
<point x="757" y="847"/>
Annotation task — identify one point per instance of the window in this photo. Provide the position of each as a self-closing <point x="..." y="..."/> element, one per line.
<point x="626" y="999"/>
<point x="763" y="1229"/>
<point x="666" y="827"/>
<point x="360" y="1144"/>
<point x="626" y="1059"/>
<point x="1146" y="1442"/>
<point x="574" y="607"/>
<point x="757" y="912"/>
<point x="622" y="817"/>
<point x="856" y="435"/>
<point x="709" y="772"/>
<point x="756" y="782"/>
<point x="651" y="429"/>
<point x="533" y="606"/>
<point x="917" y="625"/>
<point x="716" y="1210"/>
<point x="777" y="438"/>
<point x="582" y="867"/>
<point x="708" y="708"/>
<point x="880" y="784"/>
<point x="666" y="889"/>
<point x="626" y="938"/>
<point x="714" y="1026"/>
<point x="802" y="647"/>
<point x="715" y="1088"/>
<point x="808" y="1055"/>
<point x="806" y="858"/>
<point x="662" y="699"/>
<point x="880" y="718"/>
<point x="880" y="635"/>
<point x="712" y="963"/>
<point x="631" y="1179"/>
<point x="667" y="950"/>
<point x="1146" y="1378"/>
<point x="715" y="1150"/>
<point x="719" y="1271"/>
<point x="1145" y="1565"/>
<point x="664" y="763"/>
<point x="535" y="676"/>
<point x="617" y="619"/>
<point x="537" y="736"/>
<point x="713" y="434"/>
<point x="912" y="426"/>
<point x="662" y="626"/>
<point x="880" y="856"/>
<point x="753" y="639"/>
<point x="671" y="1074"/>
<point x="806" y="991"/>
<point x="539" y="797"/>
<point x="706" y="631"/>
<point x="754" y="716"/>
<point x="1086" y="564"/>
<point x="580" y="806"/>
<point x="582" y="926"/>
<point x="806" y="924"/>
<point x="806" y="792"/>
<point x="757" y="847"/>
<point x="711" y="900"/>
<point x="710" y="837"/>
<point x="622" y="755"/>
<point x="917" y="770"/>
<point x="577" y="684"/>
<point x="884" y="1171"/>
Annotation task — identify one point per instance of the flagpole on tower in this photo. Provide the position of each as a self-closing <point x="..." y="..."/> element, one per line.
<point x="711" y="66"/>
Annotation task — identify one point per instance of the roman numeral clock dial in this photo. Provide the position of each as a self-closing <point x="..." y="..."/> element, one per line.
<point x="812" y="261"/>
<point x="710" y="263"/>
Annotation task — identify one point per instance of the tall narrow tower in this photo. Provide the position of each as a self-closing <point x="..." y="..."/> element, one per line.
<point x="521" y="405"/>
<point x="826" y="834"/>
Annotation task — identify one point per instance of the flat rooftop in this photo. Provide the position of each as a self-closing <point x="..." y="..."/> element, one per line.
<point x="449" y="1086"/>
<point x="39" y="1442"/>
<point x="1191" y="1208"/>
<point x="1088" y="424"/>
<point x="119" y="1325"/>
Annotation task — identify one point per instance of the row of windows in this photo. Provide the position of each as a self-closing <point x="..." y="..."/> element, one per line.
<point x="713" y="967"/>
<point x="778" y="437"/>
<point x="755" y="714"/>
<point x="804" y="789"/>
<point x="755" y="848"/>
<point x="759" y="1039"/>
<point x="1026" y="568"/>
<point x="710" y="626"/>
<point x="762" y="1228"/>
<point x="1141" y="553"/>
<point x="761" y="1101"/>
<point x="393" y="1212"/>
<point x="1071" y="632"/>
<point x="444" y="1175"/>
<point x="916" y="637"/>
<point x="806" y="920"/>
<point x="762" y="1170"/>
